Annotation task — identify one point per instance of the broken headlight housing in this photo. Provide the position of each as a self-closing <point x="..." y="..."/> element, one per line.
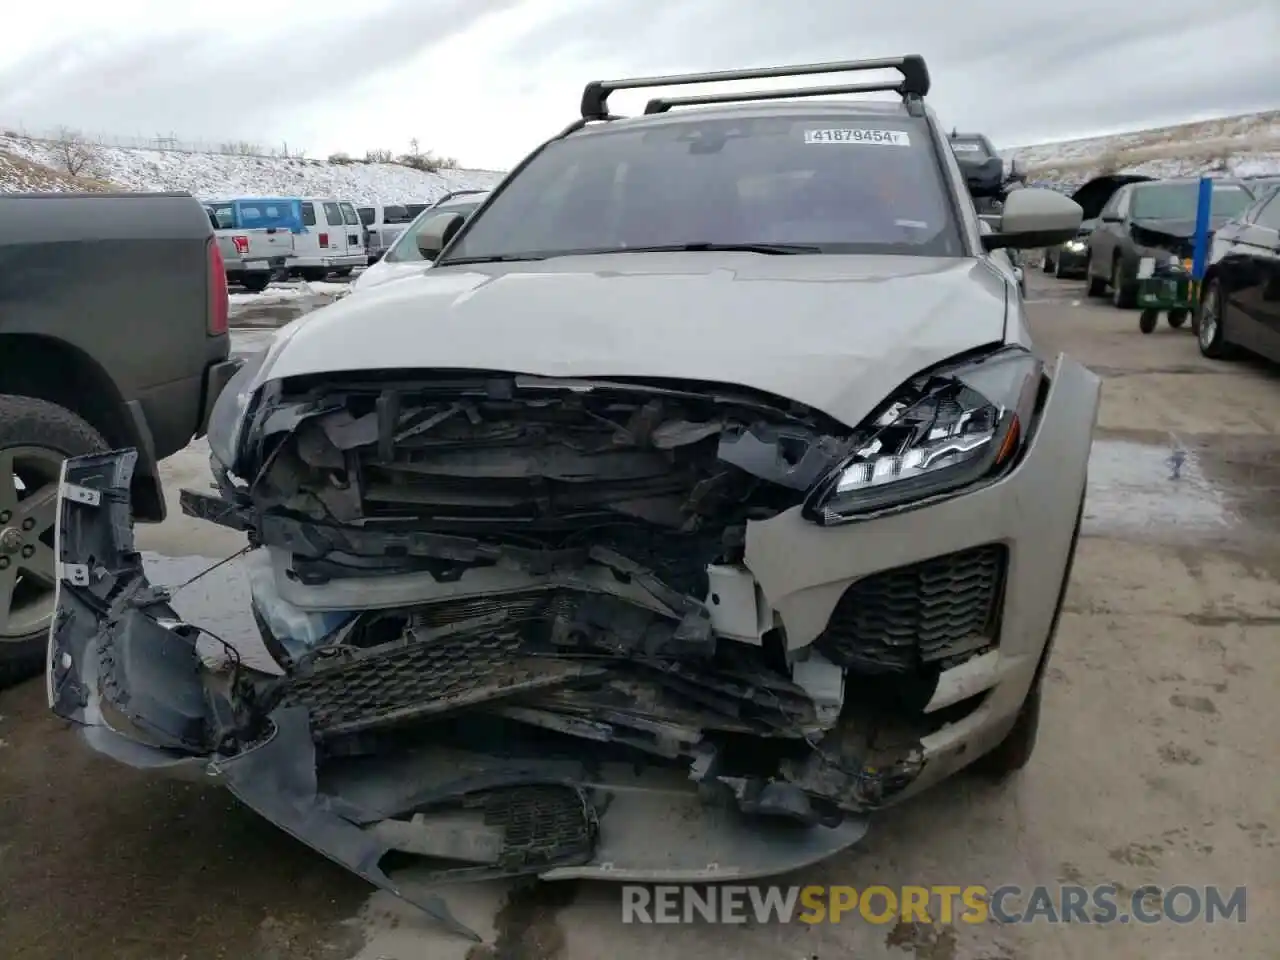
<point x="943" y="431"/>
<point x="227" y="416"/>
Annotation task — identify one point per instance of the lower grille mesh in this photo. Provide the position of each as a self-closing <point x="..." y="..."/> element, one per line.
<point x="896" y="620"/>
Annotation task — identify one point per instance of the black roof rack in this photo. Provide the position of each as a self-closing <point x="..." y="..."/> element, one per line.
<point x="663" y="104"/>
<point x="914" y="84"/>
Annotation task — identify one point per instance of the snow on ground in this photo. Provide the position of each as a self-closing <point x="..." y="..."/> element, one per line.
<point x="282" y="292"/>
<point x="213" y="176"/>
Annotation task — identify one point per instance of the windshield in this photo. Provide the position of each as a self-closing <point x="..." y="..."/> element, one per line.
<point x="826" y="184"/>
<point x="258" y="213"/>
<point x="1178" y="201"/>
<point x="405" y="249"/>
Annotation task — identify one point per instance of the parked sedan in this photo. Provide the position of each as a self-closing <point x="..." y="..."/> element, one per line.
<point x="1070" y="259"/>
<point x="1152" y="220"/>
<point x="1241" y="302"/>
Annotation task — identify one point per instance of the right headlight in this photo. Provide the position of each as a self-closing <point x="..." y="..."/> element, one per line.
<point x="947" y="429"/>
<point x="228" y="411"/>
<point x="226" y="420"/>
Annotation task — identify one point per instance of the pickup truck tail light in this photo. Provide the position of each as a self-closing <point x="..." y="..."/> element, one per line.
<point x="242" y="244"/>
<point x="219" y="305"/>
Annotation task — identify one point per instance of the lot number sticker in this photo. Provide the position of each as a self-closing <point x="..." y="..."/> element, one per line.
<point x="892" y="138"/>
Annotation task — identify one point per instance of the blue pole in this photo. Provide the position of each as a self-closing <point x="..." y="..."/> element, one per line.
<point x="1203" y="207"/>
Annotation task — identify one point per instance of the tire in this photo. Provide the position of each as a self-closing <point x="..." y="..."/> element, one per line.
<point x="1210" y="325"/>
<point x="1123" y="296"/>
<point x="1014" y="752"/>
<point x="1178" y="317"/>
<point x="343" y="273"/>
<point x="314" y="274"/>
<point x="1147" y="322"/>
<point x="1095" y="287"/>
<point x="35" y="437"/>
<point x="255" y="282"/>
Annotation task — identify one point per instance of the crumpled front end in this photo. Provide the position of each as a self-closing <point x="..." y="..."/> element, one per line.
<point x="586" y="628"/>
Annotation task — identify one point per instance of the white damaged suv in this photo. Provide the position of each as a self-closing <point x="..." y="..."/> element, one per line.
<point x="707" y="481"/>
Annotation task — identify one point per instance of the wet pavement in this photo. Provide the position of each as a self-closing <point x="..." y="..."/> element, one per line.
<point x="1155" y="762"/>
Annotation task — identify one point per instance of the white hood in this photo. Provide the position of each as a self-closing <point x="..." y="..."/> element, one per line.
<point x="836" y="333"/>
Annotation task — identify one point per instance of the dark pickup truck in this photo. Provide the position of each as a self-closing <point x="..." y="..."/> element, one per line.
<point x="113" y="333"/>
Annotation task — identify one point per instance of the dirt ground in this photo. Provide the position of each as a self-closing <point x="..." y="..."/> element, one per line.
<point x="1156" y="762"/>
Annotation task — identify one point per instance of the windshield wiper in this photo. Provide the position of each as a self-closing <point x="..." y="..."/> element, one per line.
<point x="774" y="249"/>
<point x="500" y="258"/>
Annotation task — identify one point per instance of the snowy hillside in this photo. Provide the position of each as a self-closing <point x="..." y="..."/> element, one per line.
<point x="222" y="175"/>
<point x="1245" y="145"/>
<point x="19" y="175"/>
<point x="1242" y="146"/>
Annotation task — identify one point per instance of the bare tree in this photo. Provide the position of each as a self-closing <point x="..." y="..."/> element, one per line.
<point x="74" y="153"/>
<point x="240" y="148"/>
<point x="377" y="156"/>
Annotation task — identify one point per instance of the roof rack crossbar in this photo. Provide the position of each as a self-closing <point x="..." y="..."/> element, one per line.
<point x="915" y="79"/>
<point x="663" y="104"/>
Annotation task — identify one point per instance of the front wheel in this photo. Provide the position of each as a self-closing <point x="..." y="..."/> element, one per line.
<point x="1097" y="286"/>
<point x="255" y="282"/>
<point x="1122" y="294"/>
<point x="35" y="437"/>
<point x="1178" y="317"/>
<point x="1211" y="328"/>
<point x="1014" y="751"/>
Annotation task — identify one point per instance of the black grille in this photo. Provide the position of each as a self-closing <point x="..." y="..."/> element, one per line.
<point x="897" y="620"/>
<point x="412" y="680"/>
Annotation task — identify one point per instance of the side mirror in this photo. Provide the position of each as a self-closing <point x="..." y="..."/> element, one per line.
<point x="436" y="232"/>
<point x="1034" y="218"/>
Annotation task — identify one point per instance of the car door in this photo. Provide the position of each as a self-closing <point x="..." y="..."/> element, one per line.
<point x="1254" y="278"/>
<point x="337" y="229"/>
<point x="308" y="243"/>
<point x="1103" y="240"/>
<point x="355" y="231"/>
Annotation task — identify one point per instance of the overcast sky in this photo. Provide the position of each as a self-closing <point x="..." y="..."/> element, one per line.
<point x="485" y="80"/>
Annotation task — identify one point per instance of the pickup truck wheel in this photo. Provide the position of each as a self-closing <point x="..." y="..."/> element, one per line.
<point x="35" y="437"/>
<point x="255" y="282"/>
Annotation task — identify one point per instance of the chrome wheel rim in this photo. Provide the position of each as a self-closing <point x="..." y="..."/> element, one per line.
<point x="28" y="508"/>
<point x="1209" y="319"/>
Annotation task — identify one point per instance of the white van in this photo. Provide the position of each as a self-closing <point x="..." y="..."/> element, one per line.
<point x="402" y="259"/>
<point x="383" y="223"/>
<point x="331" y="239"/>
